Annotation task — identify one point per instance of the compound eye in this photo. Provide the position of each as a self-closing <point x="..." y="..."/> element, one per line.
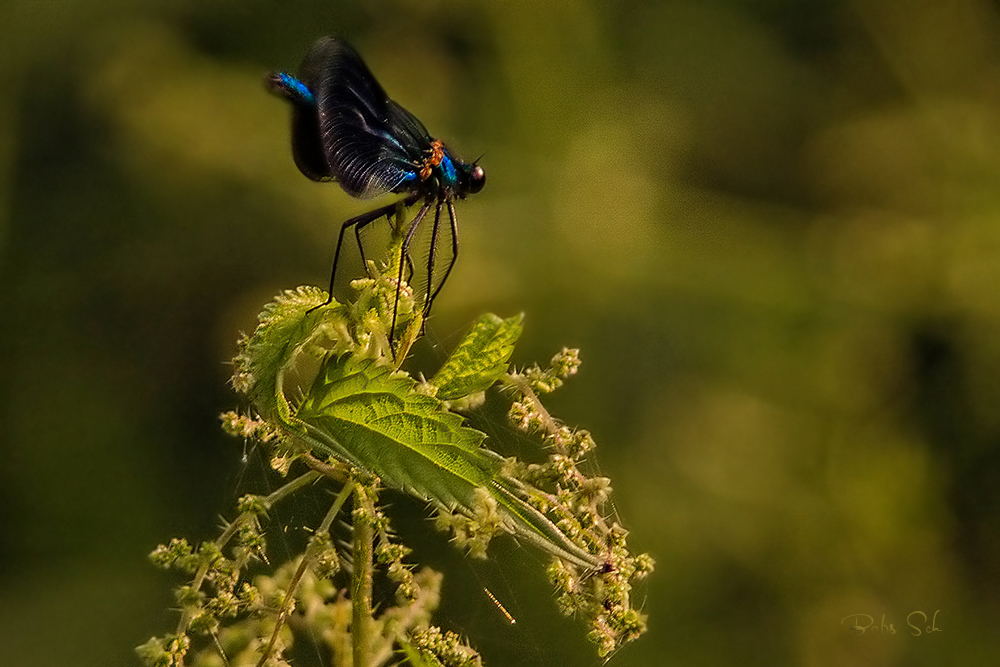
<point x="477" y="179"/>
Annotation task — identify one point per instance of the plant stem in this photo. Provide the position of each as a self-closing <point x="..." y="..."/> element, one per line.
<point x="304" y="564"/>
<point x="361" y="581"/>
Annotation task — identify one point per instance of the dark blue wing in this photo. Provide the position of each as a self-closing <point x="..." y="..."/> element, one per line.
<point x="307" y="147"/>
<point x="371" y="144"/>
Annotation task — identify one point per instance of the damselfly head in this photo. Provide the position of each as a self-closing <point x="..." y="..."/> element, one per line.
<point x="475" y="179"/>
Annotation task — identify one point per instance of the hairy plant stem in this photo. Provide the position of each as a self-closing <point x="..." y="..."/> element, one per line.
<point x="361" y="578"/>
<point x="338" y="473"/>
<point x="307" y="560"/>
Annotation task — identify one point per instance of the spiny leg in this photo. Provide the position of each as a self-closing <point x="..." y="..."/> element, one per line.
<point x="405" y="203"/>
<point x="431" y="258"/>
<point x="362" y="220"/>
<point x="361" y="248"/>
<point x="454" y="255"/>
<point x="402" y="254"/>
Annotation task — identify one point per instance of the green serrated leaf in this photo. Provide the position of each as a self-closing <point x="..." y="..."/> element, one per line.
<point x="372" y="417"/>
<point x="286" y="326"/>
<point x="481" y="357"/>
<point x="363" y="412"/>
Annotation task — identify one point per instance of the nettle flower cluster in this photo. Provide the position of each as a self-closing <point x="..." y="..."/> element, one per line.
<point x="360" y="427"/>
<point x="576" y="501"/>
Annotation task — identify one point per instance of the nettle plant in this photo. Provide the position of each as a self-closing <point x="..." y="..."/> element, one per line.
<point x="364" y="428"/>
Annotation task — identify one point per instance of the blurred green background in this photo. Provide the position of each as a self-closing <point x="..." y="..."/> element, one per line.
<point x="771" y="226"/>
